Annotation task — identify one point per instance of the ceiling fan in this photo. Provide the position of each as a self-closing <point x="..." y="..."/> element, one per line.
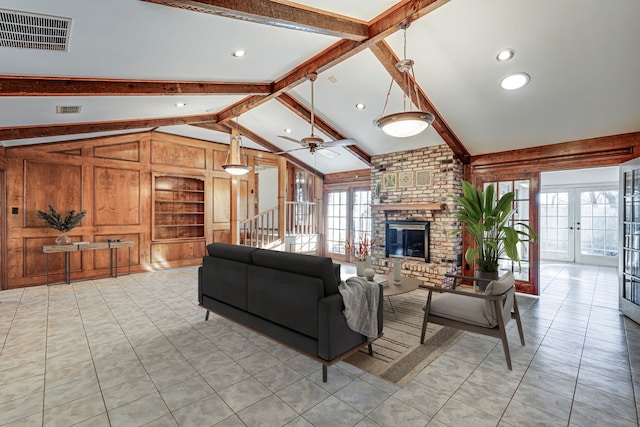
<point x="312" y="142"/>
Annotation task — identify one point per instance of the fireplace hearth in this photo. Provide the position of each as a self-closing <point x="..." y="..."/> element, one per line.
<point x="409" y="239"/>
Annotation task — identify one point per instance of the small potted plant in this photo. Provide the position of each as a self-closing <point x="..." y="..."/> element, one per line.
<point x="361" y="251"/>
<point x="63" y="225"/>
<point x="376" y="193"/>
<point x="489" y="224"/>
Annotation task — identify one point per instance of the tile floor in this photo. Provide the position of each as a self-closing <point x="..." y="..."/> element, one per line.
<point x="135" y="351"/>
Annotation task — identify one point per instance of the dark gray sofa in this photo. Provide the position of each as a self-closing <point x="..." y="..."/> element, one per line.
<point x="292" y="298"/>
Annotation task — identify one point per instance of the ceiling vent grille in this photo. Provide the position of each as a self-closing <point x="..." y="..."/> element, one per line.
<point x="33" y="31"/>
<point x="68" y="109"/>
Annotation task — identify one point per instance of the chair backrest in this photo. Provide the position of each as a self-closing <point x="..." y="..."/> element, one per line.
<point x="505" y="284"/>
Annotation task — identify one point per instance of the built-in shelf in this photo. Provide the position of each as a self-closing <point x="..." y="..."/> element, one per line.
<point x="409" y="207"/>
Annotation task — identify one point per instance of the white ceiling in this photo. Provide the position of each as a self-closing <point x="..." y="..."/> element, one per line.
<point x="581" y="55"/>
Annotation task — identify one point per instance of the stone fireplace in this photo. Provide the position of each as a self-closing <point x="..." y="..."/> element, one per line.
<point x="416" y="186"/>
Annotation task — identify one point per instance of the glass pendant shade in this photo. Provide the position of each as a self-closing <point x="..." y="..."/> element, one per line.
<point x="405" y="124"/>
<point x="236" y="169"/>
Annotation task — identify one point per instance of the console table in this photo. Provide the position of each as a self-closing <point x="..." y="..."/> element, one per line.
<point x="87" y="246"/>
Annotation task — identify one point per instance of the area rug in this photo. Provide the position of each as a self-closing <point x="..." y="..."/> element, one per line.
<point x="398" y="356"/>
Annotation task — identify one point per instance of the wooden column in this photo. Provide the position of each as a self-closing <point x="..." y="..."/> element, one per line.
<point x="282" y="194"/>
<point x="235" y="189"/>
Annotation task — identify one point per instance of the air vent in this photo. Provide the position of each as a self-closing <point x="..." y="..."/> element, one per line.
<point x="68" y="109"/>
<point x="33" y="31"/>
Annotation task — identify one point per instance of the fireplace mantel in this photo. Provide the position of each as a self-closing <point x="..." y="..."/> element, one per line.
<point x="409" y="207"/>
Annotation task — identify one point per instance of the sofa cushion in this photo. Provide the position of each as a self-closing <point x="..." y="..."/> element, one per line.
<point x="230" y="252"/>
<point x="307" y="265"/>
<point x="461" y="308"/>
<point x="285" y="298"/>
<point x="225" y="281"/>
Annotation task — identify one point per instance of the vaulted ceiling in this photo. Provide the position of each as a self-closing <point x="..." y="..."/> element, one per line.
<point x="129" y="62"/>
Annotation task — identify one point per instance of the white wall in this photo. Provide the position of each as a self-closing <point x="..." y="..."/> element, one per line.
<point x="267" y="187"/>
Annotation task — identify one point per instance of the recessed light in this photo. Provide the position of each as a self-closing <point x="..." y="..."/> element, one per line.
<point x="238" y="53"/>
<point x="360" y="106"/>
<point x="180" y="104"/>
<point x="505" y="54"/>
<point x="287" y="130"/>
<point x="515" y="81"/>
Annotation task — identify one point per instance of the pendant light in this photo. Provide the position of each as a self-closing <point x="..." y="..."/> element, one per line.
<point x="405" y="123"/>
<point x="233" y="163"/>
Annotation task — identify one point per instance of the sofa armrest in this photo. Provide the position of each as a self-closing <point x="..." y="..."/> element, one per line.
<point x="200" y="273"/>
<point x="334" y="335"/>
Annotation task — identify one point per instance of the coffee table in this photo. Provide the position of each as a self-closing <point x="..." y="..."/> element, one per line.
<point x="407" y="284"/>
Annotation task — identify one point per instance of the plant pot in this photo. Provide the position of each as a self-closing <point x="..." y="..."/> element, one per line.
<point x="482" y="285"/>
<point x="63" y="239"/>
<point x="361" y="266"/>
<point x="376" y="201"/>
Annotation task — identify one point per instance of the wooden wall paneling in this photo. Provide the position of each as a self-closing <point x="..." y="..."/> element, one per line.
<point x="177" y="155"/>
<point x="185" y="253"/>
<point x="116" y="196"/>
<point x="222" y="200"/>
<point x="4" y="212"/>
<point x="128" y="151"/>
<point x="55" y="183"/>
<point x="101" y="257"/>
<point x="35" y="260"/>
<point x="219" y="157"/>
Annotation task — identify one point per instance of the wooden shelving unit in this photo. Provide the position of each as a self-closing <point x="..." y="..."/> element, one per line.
<point x="408" y="207"/>
<point x="178" y="204"/>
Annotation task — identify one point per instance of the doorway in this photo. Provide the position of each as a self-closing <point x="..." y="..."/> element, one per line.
<point x="579" y="216"/>
<point x="348" y="218"/>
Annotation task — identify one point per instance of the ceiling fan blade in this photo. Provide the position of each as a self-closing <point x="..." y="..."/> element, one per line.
<point x="325" y="152"/>
<point x="289" y="139"/>
<point x="340" y="143"/>
<point x="293" y="149"/>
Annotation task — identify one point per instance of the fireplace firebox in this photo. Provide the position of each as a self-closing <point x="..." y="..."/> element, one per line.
<point x="407" y="239"/>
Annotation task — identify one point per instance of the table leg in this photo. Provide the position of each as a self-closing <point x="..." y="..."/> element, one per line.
<point x="391" y="305"/>
<point x="116" y="255"/>
<point x="67" y="268"/>
<point x="46" y="268"/>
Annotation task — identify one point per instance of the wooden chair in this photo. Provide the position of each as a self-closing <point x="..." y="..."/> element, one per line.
<point x="475" y="311"/>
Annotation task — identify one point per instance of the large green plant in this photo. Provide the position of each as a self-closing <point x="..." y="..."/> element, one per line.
<point x="489" y="225"/>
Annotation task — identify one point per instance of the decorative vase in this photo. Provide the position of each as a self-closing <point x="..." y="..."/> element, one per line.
<point x="63" y="239"/>
<point x="397" y="270"/>
<point x="369" y="274"/>
<point x="482" y="285"/>
<point x="361" y="266"/>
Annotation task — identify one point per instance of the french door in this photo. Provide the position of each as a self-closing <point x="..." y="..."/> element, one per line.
<point x="629" y="262"/>
<point x="525" y="186"/>
<point x="579" y="225"/>
<point x="348" y="217"/>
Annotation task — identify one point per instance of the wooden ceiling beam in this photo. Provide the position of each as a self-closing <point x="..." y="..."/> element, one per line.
<point x="229" y="126"/>
<point x="277" y="14"/>
<point x="60" y="86"/>
<point x="381" y="27"/>
<point x="40" y="131"/>
<point x="303" y="112"/>
<point x="388" y="59"/>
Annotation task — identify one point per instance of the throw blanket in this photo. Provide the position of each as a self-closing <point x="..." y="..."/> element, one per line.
<point x="361" y="305"/>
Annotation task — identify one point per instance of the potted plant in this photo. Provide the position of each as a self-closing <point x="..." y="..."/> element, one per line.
<point x="63" y="225"/>
<point x="489" y="225"/>
<point x="376" y="193"/>
<point x="361" y="252"/>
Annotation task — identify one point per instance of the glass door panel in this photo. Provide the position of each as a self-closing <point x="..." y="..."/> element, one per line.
<point x="555" y="233"/>
<point x="597" y="228"/>
<point x="361" y="214"/>
<point x="629" y="262"/>
<point x="336" y="228"/>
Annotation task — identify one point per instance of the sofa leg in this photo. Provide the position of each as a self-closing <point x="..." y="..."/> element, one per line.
<point x="370" y="349"/>
<point x="206" y="316"/>
<point x="324" y="373"/>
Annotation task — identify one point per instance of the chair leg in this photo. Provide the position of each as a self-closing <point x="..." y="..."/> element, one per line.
<point x="206" y="316"/>
<point x="518" y="322"/>
<point x="426" y="317"/>
<point x="503" y="334"/>
<point x="324" y="373"/>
